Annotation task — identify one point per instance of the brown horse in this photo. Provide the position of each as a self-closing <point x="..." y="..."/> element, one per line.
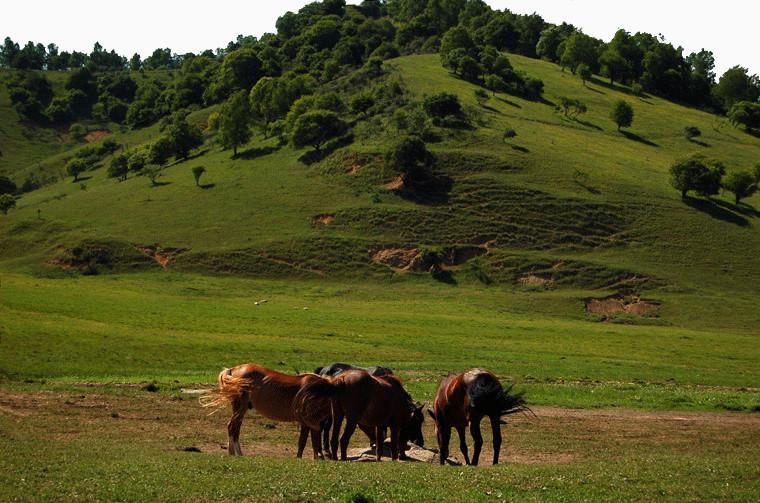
<point x="364" y="400"/>
<point x="271" y="393"/>
<point x="466" y="399"/>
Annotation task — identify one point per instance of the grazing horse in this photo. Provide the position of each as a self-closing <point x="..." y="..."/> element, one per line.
<point x="336" y="369"/>
<point x="271" y="393"/>
<point x="364" y="400"/>
<point x="466" y="399"/>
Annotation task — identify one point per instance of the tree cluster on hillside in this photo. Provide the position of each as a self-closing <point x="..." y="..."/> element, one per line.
<point x="324" y="40"/>
<point x="706" y="176"/>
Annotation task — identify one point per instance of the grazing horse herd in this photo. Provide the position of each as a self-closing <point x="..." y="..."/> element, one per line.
<point x="372" y="399"/>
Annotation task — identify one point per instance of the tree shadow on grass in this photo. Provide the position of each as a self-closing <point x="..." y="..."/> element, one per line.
<point x="510" y="103"/>
<point x="444" y="276"/>
<point x="434" y="192"/>
<point x="519" y="148"/>
<point x="159" y="184"/>
<point x="313" y="156"/>
<point x="491" y="109"/>
<point x="81" y="179"/>
<point x="635" y="137"/>
<point x="588" y="124"/>
<point x="700" y="143"/>
<point x="710" y="207"/>
<point x="743" y="208"/>
<point x="253" y="153"/>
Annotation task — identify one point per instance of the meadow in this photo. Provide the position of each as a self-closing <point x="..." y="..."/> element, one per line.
<point x="657" y="407"/>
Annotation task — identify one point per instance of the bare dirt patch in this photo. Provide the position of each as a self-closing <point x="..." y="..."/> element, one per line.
<point x="177" y="422"/>
<point x="161" y="255"/>
<point x="323" y="219"/>
<point x="396" y="183"/>
<point x="95" y="135"/>
<point x="618" y="303"/>
<point x="408" y="259"/>
<point x="534" y="280"/>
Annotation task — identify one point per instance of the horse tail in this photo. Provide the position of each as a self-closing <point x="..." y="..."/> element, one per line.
<point x="488" y="398"/>
<point x="230" y="388"/>
<point x="312" y="402"/>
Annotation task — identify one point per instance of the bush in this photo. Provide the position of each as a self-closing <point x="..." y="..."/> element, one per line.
<point x="6" y="185"/>
<point x="692" y="132"/>
<point x="441" y="105"/>
<point x="509" y="133"/>
<point x="75" y="167"/>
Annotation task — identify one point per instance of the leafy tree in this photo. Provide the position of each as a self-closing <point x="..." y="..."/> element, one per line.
<point x="737" y="85"/>
<point x="622" y="114"/>
<point x="197" y="172"/>
<point x="160" y="151"/>
<point x="741" y="183"/>
<point x="411" y="159"/>
<point x="755" y="171"/>
<point x="692" y="132"/>
<point x="456" y="38"/>
<point x="496" y="84"/>
<point x="482" y="96"/>
<point x="241" y="69"/>
<point x="572" y="106"/>
<point x="6" y="185"/>
<point x="579" y="49"/>
<point x="441" y="105"/>
<point x="152" y="172"/>
<point x="317" y="127"/>
<point x="118" y="167"/>
<point x="696" y="173"/>
<point x="746" y="113"/>
<point x="184" y="137"/>
<point x="614" y="65"/>
<point x="584" y="72"/>
<point x="137" y="160"/>
<point x="75" y="167"/>
<point x="235" y="121"/>
<point x="362" y="102"/>
<point x="7" y="202"/>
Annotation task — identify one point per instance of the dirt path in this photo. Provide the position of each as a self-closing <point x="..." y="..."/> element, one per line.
<point x="176" y="421"/>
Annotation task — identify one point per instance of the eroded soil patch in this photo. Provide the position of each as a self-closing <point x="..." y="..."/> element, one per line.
<point x="618" y="303"/>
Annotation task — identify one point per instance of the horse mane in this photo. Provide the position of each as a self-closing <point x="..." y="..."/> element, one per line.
<point x="487" y="397"/>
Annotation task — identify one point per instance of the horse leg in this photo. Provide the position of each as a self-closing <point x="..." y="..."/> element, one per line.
<point x="496" y="429"/>
<point x="337" y="419"/>
<point x="477" y="439"/>
<point x="302" y="440"/>
<point x="463" y="444"/>
<point x="315" y="444"/>
<point x="395" y="442"/>
<point x="344" y="439"/>
<point x="444" y="435"/>
<point x="325" y="430"/>
<point x="378" y="445"/>
<point x="239" y="408"/>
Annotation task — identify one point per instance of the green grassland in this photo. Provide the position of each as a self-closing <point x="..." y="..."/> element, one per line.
<point x="571" y="200"/>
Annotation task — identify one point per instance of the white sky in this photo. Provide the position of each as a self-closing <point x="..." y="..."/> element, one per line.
<point x="727" y="27"/>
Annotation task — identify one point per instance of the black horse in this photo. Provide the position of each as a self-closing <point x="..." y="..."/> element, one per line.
<point x="414" y="430"/>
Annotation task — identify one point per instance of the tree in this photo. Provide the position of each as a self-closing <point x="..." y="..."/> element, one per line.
<point x="75" y="167"/>
<point x="160" y="151"/>
<point x="317" y="127"/>
<point x="482" y="96"/>
<point x="241" y="69"/>
<point x="362" y="102"/>
<point x="578" y="49"/>
<point x="118" y="167"/>
<point x="137" y="160"/>
<point x="746" y="113"/>
<point x="441" y="105"/>
<point x="6" y="185"/>
<point x="622" y="114"/>
<point x="737" y="85"/>
<point x="411" y="159"/>
<point x="7" y="202"/>
<point x="614" y="65"/>
<point x="184" y="137"/>
<point x="496" y="84"/>
<point x="741" y="183"/>
<point x="152" y="171"/>
<point x="696" y="173"/>
<point x="197" y="172"/>
<point x="584" y="72"/>
<point x="692" y="132"/>
<point x="235" y="121"/>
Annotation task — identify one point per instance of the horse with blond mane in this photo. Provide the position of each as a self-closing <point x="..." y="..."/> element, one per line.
<point x="271" y="393"/>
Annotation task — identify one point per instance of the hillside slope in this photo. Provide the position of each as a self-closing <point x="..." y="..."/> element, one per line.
<point x="572" y="202"/>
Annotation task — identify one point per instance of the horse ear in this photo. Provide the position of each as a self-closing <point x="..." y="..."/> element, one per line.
<point x="419" y="405"/>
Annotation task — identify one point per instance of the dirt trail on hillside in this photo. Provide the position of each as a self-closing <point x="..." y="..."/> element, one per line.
<point x="176" y="421"/>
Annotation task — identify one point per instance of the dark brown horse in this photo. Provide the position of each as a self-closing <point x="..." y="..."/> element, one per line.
<point x="467" y="398"/>
<point x="336" y="369"/>
<point x="365" y="400"/>
<point x="271" y="393"/>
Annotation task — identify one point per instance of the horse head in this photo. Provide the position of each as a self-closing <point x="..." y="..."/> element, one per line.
<point x="413" y="429"/>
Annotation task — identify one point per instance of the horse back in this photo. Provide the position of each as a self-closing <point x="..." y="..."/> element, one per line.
<point x="450" y="404"/>
<point x="271" y="392"/>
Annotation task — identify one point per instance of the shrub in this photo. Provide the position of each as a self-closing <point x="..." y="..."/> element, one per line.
<point x="6" y="185"/>
<point x="482" y="96"/>
<point x="75" y="167"/>
<point x="411" y="159"/>
<point x="197" y="172"/>
<point x="741" y="184"/>
<point x="441" y="105"/>
<point x="7" y="202"/>
<point x="622" y="114"/>
<point x="692" y="132"/>
<point x="509" y="133"/>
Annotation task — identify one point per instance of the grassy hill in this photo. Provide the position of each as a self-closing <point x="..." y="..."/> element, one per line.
<point x="562" y="191"/>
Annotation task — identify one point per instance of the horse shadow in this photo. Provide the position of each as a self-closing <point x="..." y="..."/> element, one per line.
<point x="207" y="186"/>
<point x="716" y="209"/>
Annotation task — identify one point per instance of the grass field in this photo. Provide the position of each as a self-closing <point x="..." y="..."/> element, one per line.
<point x="575" y="203"/>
